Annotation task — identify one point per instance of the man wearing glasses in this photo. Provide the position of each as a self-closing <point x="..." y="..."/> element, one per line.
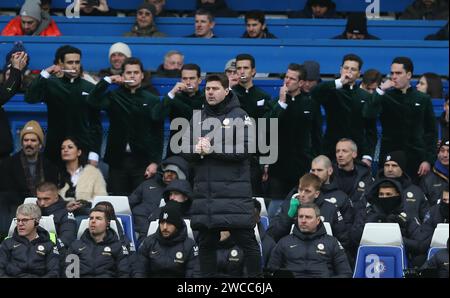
<point x="29" y="252"/>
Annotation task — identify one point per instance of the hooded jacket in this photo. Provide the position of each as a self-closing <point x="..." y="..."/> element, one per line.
<point x="315" y="255"/>
<point x="65" y="223"/>
<point x="175" y="257"/>
<point x="106" y="259"/>
<point x="20" y="257"/>
<point x="222" y="186"/>
<point x="332" y="194"/>
<point x="433" y="184"/>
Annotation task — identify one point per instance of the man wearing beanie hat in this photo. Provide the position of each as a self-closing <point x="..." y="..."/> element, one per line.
<point x="343" y="102"/>
<point x="177" y="254"/>
<point x="145" y="22"/>
<point x="416" y="203"/>
<point x="31" y="21"/>
<point x="22" y="172"/>
<point x="317" y="9"/>
<point x="436" y="181"/>
<point x="231" y="72"/>
<point x="356" y="28"/>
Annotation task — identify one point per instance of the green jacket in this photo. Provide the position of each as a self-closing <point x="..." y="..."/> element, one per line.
<point x="408" y="124"/>
<point x="133" y="119"/>
<point x="69" y="114"/>
<point x="344" y="117"/>
<point x="299" y="137"/>
<point x="254" y="101"/>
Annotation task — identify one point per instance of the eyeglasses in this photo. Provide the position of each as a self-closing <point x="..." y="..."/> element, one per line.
<point x="22" y="220"/>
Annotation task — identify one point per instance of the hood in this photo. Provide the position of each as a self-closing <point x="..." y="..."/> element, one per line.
<point x="321" y="231"/>
<point x="230" y="102"/>
<point x="182" y="186"/>
<point x="330" y="187"/>
<point x="60" y="204"/>
<point x="404" y="180"/>
<point x="44" y="236"/>
<point x="372" y="194"/>
<point x="178" y="161"/>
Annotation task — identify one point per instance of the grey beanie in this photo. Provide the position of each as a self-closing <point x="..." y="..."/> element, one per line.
<point x="31" y="8"/>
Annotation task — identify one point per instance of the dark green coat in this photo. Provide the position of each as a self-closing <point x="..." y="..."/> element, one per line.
<point x="69" y="114"/>
<point x="344" y="116"/>
<point x="133" y="119"/>
<point x="182" y="105"/>
<point x="408" y="124"/>
<point x="299" y="137"/>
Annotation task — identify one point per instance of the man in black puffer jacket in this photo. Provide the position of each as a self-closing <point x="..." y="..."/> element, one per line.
<point x="436" y="181"/>
<point x="309" y="252"/>
<point x="168" y="252"/>
<point x="222" y="197"/>
<point x="30" y="252"/>
<point x="99" y="249"/>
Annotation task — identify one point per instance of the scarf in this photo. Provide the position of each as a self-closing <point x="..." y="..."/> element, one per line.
<point x="38" y="178"/>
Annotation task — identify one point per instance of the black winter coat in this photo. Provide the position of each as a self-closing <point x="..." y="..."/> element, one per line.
<point x="332" y="194"/>
<point x="20" y="257"/>
<point x="222" y="186"/>
<point x="315" y="255"/>
<point x="65" y="223"/>
<point x="174" y="257"/>
<point x="433" y="184"/>
<point x="439" y="262"/>
<point x="433" y="218"/>
<point x="106" y="259"/>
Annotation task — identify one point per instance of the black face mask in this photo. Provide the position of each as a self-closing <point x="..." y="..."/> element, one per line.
<point x="389" y="204"/>
<point x="443" y="208"/>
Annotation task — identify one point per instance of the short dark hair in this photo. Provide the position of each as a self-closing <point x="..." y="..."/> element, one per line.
<point x="256" y="15"/>
<point x="300" y="69"/>
<point x="223" y="79"/>
<point x="192" y="66"/>
<point x="406" y="62"/>
<point x="387" y="184"/>
<point x="241" y="57"/>
<point x="101" y="209"/>
<point x="132" y="61"/>
<point x="46" y="186"/>
<point x="310" y="206"/>
<point x="353" y="57"/>
<point x="434" y="84"/>
<point x="62" y="51"/>
<point x="371" y="76"/>
<point x="204" y="12"/>
<point x="108" y="208"/>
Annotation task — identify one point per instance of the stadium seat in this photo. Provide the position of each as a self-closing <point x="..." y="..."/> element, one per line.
<point x="439" y="240"/>
<point x="265" y="222"/>
<point x="85" y="225"/>
<point x="30" y="200"/>
<point x="381" y="253"/>
<point x="263" y="206"/>
<point x="120" y="203"/>
<point x="154" y="225"/>
<point x="46" y="223"/>
<point x="128" y="229"/>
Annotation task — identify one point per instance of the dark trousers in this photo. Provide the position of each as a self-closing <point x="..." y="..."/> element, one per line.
<point x="126" y="177"/>
<point x="244" y="238"/>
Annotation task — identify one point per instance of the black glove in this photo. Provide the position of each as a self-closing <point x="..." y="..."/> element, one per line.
<point x="401" y="219"/>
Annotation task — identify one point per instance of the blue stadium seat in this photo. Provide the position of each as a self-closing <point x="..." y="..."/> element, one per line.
<point x="381" y="253"/>
<point x="439" y="240"/>
<point x="265" y="222"/>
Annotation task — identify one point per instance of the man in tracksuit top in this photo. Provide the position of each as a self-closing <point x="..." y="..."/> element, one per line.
<point x="135" y="138"/>
<point x="69" y="114"/>
<point x="52" y="204"/>
<point x="168" y="252"/>
<point x="343" y="102"/>
<point x="407" y="119"/>
<point x="30" y="252"/>
<point x="183" y="99"/>
<point x="436" y="181"/>
<point x="309" y="252"/>
<point x="99" y="249"/>
<point x="308" y="192"/>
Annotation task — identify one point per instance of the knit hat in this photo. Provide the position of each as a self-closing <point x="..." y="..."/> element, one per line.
<point x="312" y="70"/>
<point x="399" y="157"/>
<point x="176" y="169"/>
<point x="150" y="7"/>
<point x="172" y="215"/>
<point x="17" y="47"/>
<point x="231" y="64"/>
<point x="444" y="142"/>
<point x="31" y="8"/>
<point x="32" y="127"/>
<point x="120" y="47"/>
<point x="356" y="23"/>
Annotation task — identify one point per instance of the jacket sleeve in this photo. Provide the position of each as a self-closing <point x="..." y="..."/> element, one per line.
<point x="430" y="134"/>
<point x="99" y="97"/>
<point x="11" y="86"/>
<point x="141" y="266"/>
<point x="321" y="93"/>
<point x="373" y="108"/>
<point x="123" y="263"/>
<point x="340" y="230"/>
<point x="4" y="258"/>
<point x="316" y="133"/>
<point x="348" y="213"/>
<point x="370" y="136"/>
<point x="37" y="90"/>
<point x="192" y="263"/>
<point x="53" y="264"/>
<point x="281" y="224"/>
<point x="276" y="261"/>
<point x="136" y="196"/>
<point x="67" y="230"/>
<point x="341" y="267"/>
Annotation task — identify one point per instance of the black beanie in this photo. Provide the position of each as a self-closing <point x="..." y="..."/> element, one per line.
<point x="150" y="7"/>
<point x="172" y="215"/>
<point x="356" y="23"/>
<point x="399" y="157"/>
<point x="444" y="142"/>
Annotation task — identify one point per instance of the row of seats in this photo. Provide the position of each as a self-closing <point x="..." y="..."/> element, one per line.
<point x="271" y="55"/>
<point x="234" y="27"/>
<point x="237" y="5"/>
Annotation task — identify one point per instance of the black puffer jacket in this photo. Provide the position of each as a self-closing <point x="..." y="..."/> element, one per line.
<point x="173" y="257"/>
<point x="332" y="194"/>
<point x="20" y="257"/>
<point x="310" y="255"/>
<point x="230" y="259"/>
<point x="105" y="259"/>
<point x="439" y="262"/>
<point x="65" y="223"/>
<point x="222" y="186"/>
<point x="433" y="184"/>
<point x="438" y="214"/>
